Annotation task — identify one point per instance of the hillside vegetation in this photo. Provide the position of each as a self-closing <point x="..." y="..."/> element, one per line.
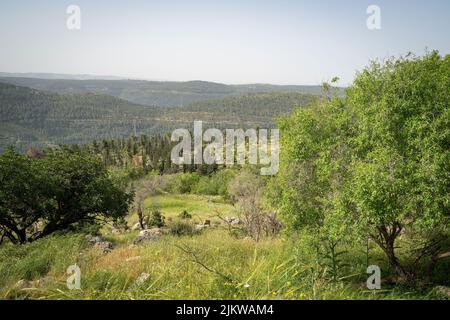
<point x="359" y="208"/>
<point x="155" y="93"/>
<point x="32" y="117"/>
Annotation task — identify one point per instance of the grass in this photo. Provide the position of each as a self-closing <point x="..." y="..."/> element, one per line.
<point x="281" y="268"/>
<point x="200" y="207"/>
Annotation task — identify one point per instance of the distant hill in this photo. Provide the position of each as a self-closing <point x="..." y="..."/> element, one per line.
<point x="58" y="76"/>
<point x="41" y="118"/>
<point x="155" y="93"/>
<point x="33" y="117"/>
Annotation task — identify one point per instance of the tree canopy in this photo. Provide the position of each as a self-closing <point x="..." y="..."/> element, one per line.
<point x="375" y="163"/>
<point x="63" y="188"/>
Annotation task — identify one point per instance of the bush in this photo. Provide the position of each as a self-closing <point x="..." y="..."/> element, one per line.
<point x="155" y="219"/>
<point x="181" y="228"/>
<point x="183" y="183"/>
<point x="185" y="215"/>
<point x="215" y="184"/>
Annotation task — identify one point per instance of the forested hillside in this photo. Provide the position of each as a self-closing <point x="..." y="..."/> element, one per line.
<point x="262" y="105"/>
<point x="155" y="93"/>
<point x="33" y="117"/>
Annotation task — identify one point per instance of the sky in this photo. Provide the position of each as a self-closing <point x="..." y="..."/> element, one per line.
<point x="258" y="41"/>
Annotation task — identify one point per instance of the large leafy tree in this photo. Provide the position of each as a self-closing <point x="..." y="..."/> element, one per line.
<point x="375" y="163"/>
<point x="22" y="200"/>
<point x="400" y="180"/>
<point x="60" y="190"/>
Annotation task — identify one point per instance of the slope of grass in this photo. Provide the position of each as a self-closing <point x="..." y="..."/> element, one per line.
<point x="200" y="207"/>
<point x="281" y="268"/>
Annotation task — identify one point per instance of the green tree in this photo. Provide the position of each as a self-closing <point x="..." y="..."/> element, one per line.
<point x="376" y="163"/>
<point x="62" y="189"/>
<point x="22" y="201"/>
<point x="401" y="164"/>
<point x="81" y="190"/>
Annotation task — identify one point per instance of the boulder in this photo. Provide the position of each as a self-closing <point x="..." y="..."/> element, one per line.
<point x="136" y="226"/>
<point x="104" y="246"/>
<point x="93" y="239"/>
<point x="23" y="284"/>
<point x="153" y="234"/>
<point x="99" y="243"/>
<point x="233" y="220"/>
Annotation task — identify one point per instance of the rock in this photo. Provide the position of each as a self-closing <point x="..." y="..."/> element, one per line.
<point x="93" y="239"/>
<point x="153" y="234"/>
<point x="117" y="231"/>
<point x="233" y="220"/>
<point x="236" y="221"/>
<point x="42" y="282"/>
<point x="442" y="291"/>
<point x="142" y="278"/>
<point x="104" y="246"/>
<point x="22" y="284"/>
<point x="200" y="227"/>
<point x="99" y="243"/>
<point x="204" y="225"/>
<point x="136" y="226"/>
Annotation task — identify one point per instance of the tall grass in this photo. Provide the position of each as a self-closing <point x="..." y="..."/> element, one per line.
<point x="212" y="265"/>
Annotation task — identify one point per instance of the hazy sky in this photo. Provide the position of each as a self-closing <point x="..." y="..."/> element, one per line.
<point x="284" y="42"/>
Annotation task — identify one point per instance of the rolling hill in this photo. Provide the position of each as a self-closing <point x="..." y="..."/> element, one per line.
<point x="153" y="93"/>
<point x="42" y="118"/>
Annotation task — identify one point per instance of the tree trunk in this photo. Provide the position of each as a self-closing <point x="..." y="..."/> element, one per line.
<point x="21" y="235"/>
<point x="393" y="261"/>
<point x="386" y="240"/>
<point x="140" y="216"/>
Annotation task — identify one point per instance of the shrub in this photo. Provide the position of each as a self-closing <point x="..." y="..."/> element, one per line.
<point x="181" y="228"/>
<point x="183" y="183"/>
<point x="155" y="219"/>
<point x="185" y="215"/>
<point x="215" y="184"/>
